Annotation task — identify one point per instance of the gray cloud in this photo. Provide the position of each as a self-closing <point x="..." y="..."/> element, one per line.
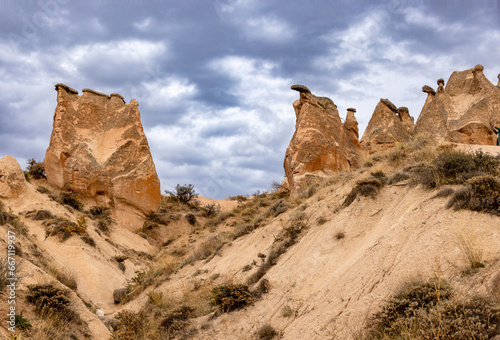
<point x="212" y="78"/>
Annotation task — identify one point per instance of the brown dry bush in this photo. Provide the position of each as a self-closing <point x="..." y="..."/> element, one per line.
<point x="49" y="300"/>
<point x="428" y="310"/>
<point x="266" y="332"/>
<point x="231" y="297"/>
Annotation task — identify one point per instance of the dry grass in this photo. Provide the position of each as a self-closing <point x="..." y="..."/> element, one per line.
<point x="472" y="250"/>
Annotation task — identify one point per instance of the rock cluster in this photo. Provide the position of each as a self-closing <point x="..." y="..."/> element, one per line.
<point x="463" y="111"/>
<point x="98" y="149"/>
<point x="321" y="143"/>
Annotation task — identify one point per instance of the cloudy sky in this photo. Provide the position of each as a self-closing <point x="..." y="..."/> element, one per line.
<point x="213" y="78"/>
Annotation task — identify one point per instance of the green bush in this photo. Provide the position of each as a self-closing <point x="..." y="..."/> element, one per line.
<point x="70" y="198"/>
<point x="453" y="167"/>
<point x="21" y="322"/>
<point x="369" y="187"/>
<point x="231" y="297"/>
<point x="191" y="219"/>
<point x="35" y="170"/>
<point x="183" y="193"/>
<point x="399" y="177"/>
<point x="480" y="194"/>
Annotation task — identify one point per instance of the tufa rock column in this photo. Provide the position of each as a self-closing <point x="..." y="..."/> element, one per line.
<point x="321" y="144"/>
<point x="98" y="149"/>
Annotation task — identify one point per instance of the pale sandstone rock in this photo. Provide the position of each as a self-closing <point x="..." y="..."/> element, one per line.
<point x="386" y="127"/>
<point x="12" y="180"/>
<point x="463" y="111"/>
<point x="321" y="144"/>
<point x="98" y="149"/>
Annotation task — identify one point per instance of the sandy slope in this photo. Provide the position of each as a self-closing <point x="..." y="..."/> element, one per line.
<point x="333" y="285"/>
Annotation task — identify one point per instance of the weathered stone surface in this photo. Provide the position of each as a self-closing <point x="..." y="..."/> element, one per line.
<point x="407" y="120"/>
<point x="12" y="180"/>
<point x="321" y="144"/>
<point x="98" y="149"/>
<point x="385" y="128"/>
<point x="463" y="111"/>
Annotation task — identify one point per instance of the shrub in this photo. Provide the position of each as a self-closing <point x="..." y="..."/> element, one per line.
<point x="231" y="297"/>
<point x="40" y="215"/>
<point x="477" y="317"/>
<point x="266" y="332"/>
<point x="177" y="319"/>
<point x="183" y="193"/>
<point x="211" y="210"/>
<point x="65" y="229"/>
<point x="399" y="177"/>
<point x="413" y="299"/>
<point x="340" y="235"/>
<point x="21" y="322"/>
<point x="130" y="325"/>
<point x="367" y="187"/>
<point x="481" y="194"/>
<point x="35" y="169"/>
<point x="191" y="219"/>
<point x="286" y="311"/>
<point x="89" y="240"/>
<point x="445" y="192"/>
<point x="49" y="300"/>
<point x="70" y="198"/>
<point x="99" y="211"/>
<point x="321" y="220"/>
<point x="453" y="167"/>
<point x="277" y="208"/>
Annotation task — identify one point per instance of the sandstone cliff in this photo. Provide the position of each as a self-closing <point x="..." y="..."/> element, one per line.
<point x="321" y="143"/>
<point x="99" y="150"/>
<point x="387" y="126"/>
<point x="463" y="111"/>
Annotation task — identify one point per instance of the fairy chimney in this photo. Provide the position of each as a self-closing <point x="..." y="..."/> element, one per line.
<point x="321" y="144"/>
<point x="98" y="149"/>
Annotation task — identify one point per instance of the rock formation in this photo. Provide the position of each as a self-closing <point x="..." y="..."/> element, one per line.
<point x="321" y="143"/>
<point x="99" y="150"/>
<point x="463" y="111"/>
<point x="12" y="180"/>
<point x="387" y="126"/>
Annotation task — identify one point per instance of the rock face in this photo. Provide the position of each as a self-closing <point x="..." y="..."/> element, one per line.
<point x="321" y="143"/>
<point x="463" y="111"/>
<point x="387" y="126"/>
<point x="98" y="149"/>
<point x="12" y="180"/>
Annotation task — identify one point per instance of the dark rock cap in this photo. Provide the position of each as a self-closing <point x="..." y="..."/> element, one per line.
<point x="403" y="109"/>
<point x="440" y="81"/>
<point x="428" y="89"/>
<point x="67" y="88"/>
<point x="300" y="88"/>
<point x="96" y="93"/>
<point x="389" y="104"/>
<point x="478" y="67"/>
<point x="351" y="109"/>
